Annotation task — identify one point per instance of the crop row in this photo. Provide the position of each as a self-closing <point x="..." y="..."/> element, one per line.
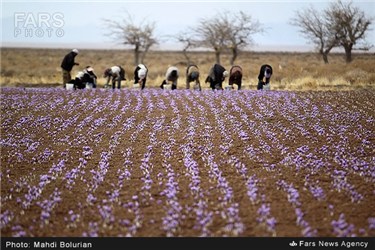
<point x="186" y="163"/>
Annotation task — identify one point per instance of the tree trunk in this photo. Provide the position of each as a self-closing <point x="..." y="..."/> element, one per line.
<point x="234" y="56"/>
<point x="325" y="52"/>
<point x="217" y="55"/>
<point x="136" y="55"/>
<point x="144" y="53"/>
<point x="186" y="56"/>
<point x="348" y="52"/>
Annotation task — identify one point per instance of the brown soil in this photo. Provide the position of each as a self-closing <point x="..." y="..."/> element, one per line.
<point x="185" y="163"/>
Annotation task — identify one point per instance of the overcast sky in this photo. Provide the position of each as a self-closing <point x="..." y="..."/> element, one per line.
<point x="80" y="23"/>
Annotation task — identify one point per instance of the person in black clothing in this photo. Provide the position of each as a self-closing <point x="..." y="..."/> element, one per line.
<point x="235" y="76"/>
<point x="216" y="77"/>
<point x="140" y="75"/>
<point x="264" y="77"/>
<point x="84" y="78"/>
<point x="67" y="65"/>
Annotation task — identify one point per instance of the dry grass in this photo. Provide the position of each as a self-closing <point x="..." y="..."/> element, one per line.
<point x="292" y="71"/>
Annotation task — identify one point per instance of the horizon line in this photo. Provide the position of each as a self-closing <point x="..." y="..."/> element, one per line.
<point x="99" y="46"/>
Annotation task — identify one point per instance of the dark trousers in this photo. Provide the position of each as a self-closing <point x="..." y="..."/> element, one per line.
<point x="143" y="83"/>
<point x="118" y="80"/>
<point x="239" y="85"/>
<point x="66" y="76"/>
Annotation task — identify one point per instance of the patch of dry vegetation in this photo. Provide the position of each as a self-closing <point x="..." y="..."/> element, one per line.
<point x="292" y="71"/>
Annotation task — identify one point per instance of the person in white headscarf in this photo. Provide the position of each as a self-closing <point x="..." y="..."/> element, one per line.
<point x="85" y="78"/>
<point x="171" y="76"/>
<point x="264" y="77"/>
<point x="140" y="75"/>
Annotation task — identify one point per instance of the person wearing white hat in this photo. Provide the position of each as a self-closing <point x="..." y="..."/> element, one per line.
<point x="67" y="65"/>
<point x="216" y="77"/>
<point x="140" y="75"/>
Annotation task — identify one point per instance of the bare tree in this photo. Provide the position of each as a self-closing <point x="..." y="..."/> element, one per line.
<point x="350" y="25"/>
<point x="141" y="35"/>
<point x="227" y="31"/>
<point x="239" y="28"/>
<point x="339" y="25"/>
<point x="314" y="27"/>
<point x="188" y="42"/>
<point x="210" y="34"/>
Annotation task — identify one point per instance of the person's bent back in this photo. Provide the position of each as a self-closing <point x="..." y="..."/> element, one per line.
<point x="192" y="75"/>
<point x="171" y="76"/>
<point x="140" y="75"/>
<point x="264" y="77"/>
<point x="117" y="73"/>
<point x="235" y="76"/>
<point x="216" y="77"/>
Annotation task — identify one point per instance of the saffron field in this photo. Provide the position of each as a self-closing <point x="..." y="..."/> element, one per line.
<point x="186" y="163"/>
